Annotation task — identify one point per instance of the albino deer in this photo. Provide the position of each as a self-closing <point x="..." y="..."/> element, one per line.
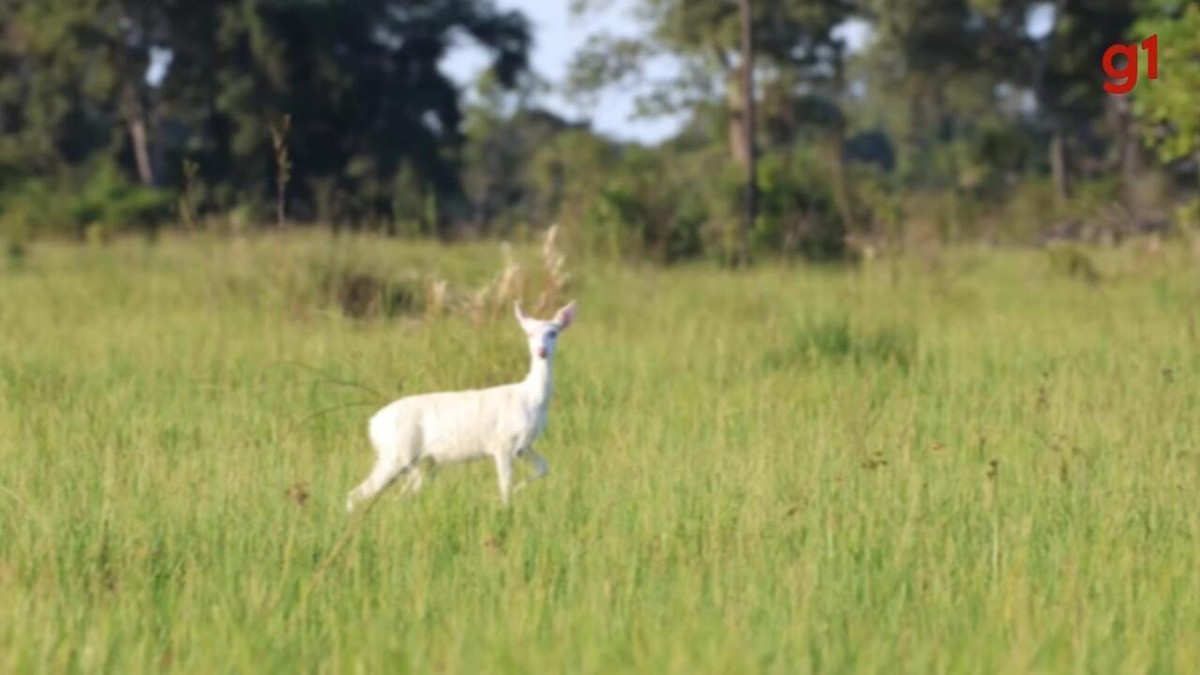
<point x="500" y="422"/>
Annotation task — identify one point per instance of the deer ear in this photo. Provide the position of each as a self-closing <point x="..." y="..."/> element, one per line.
<point x="565" y="316"/>
<point x="518" y="312"/>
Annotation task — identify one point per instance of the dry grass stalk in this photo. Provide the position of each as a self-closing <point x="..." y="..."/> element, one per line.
<point x="436" y="291"/>
<point x="554" y="263"/>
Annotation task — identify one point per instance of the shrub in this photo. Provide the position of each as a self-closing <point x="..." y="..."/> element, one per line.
<point x="94" y="198"/>
<point x="797" y="211"/>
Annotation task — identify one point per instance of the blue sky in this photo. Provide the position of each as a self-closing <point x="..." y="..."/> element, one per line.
<point x="557" y="35"/>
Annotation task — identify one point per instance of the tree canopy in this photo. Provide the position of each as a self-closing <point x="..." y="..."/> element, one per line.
<point x="369" y="105"/>
<point x="965" y="117"/>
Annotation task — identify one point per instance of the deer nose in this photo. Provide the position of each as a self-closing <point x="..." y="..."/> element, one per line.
<point x="541" y="352"/>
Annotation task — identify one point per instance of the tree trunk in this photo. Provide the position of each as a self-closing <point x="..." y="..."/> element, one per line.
<point x="841" y="186"/>
<point x="1058" y="149"/>
<point x="748" y="115"/>
<point x="914" y="144"/>
<point x="157" y="153"/>
<point x="139" y="137"/>
<point x="739" y="147"/>
<point x="1058" y="168"/>
<point x="1129" y="162"/>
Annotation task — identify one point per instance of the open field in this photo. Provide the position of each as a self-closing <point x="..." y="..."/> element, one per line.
<point x="984" y="466"/>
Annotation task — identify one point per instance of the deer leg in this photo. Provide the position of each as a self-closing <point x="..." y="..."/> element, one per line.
<point x="504" y="473"/>
<point x="540" y="468"/>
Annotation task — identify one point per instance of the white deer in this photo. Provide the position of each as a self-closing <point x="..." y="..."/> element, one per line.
<point x="448" y="427"/>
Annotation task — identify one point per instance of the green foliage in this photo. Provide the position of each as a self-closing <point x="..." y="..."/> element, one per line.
<point x="1171" y="102"/>
<point x="797" y="212"/>
<point x="517" y="157"/>
<point x="96" y="196"/>
<point x="671" y="204"/>
<point x="794" y="46"/>
<point x="934" y="67"/>
<point x="360" y="82"/>
<point x="413" y="204"/>
<point x="381" y="139"/>
<point x="994" y="155"/>
<point x="566" y="172"/>
<point x="646" y="208"/>
<point x="1073" y="76"/>
<point x="109" y="199"/>
<point x="1188" y="218"/>
<point x="359" y="294"/>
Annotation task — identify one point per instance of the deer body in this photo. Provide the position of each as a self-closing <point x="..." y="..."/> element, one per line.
<point x="500" y="423"/>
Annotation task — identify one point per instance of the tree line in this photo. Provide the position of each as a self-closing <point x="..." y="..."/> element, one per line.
<point x="962" y="118"/>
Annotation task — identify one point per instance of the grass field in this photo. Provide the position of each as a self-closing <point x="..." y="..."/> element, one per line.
<point x="987" y="465"/>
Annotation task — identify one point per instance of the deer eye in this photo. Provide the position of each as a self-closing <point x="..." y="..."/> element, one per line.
<point x="553" y="334"/>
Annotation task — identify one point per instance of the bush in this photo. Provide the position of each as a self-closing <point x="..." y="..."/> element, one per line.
<point x="797" y="210"/>
<point x="646" y="208"/>
<point x="674" y="206"/>
<point x="97" y="198"/>
<point x="362" y="294"/>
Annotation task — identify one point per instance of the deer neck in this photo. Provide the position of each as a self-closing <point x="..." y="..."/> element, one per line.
<point x="538" y="384"/>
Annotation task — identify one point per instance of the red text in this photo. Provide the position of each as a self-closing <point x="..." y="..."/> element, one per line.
<point x="1127" y="75"/>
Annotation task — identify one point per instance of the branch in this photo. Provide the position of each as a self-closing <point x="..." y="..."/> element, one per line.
<point x="606" y="61"/>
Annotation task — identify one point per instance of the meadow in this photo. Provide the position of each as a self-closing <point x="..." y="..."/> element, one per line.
<point x="978" y="462"/>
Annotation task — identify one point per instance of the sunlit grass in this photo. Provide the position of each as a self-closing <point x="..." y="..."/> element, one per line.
<point x="987" y="466"/>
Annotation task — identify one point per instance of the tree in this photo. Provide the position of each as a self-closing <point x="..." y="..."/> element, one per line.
<point x="505" y="131"/>
<point x="791" y="37"/>
<point x="75" y="71"/>
<point x="361" y="81"/>
<point x="748" y="140"/>
<point x="724" y="49"/>
<point x="1171" y="106"/>
<point x="943" y="59"/>
<point x="1069" y="73"/>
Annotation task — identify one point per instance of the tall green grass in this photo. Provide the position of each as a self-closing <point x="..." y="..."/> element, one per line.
<point x="988" y="467"/>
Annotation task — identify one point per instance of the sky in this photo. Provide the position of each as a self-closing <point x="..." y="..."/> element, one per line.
<point x="557" y="36"/>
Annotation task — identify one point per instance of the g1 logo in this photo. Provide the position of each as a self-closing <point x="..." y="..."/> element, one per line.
<point x="1128" y="74"/>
